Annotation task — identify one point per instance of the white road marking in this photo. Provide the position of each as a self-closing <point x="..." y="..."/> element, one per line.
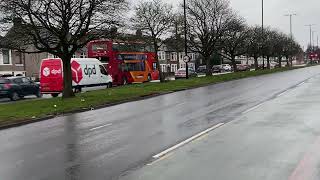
<point x="301" y="83"/>
<point x="284" y="92"/>
<point x="163" y="153"/>
<point x="99" y="127"/>
<point x="253" y="108"/>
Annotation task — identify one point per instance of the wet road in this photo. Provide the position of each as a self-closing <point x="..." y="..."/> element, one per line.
<point x="278" y="140"/>
<point x="105" y="143"/>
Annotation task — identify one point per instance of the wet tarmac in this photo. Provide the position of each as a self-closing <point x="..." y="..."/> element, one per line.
<point x="278" y="140"/>
<point x="105" y="143"/>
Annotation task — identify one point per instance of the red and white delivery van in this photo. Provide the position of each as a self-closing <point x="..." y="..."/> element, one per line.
<point x="86" y="72"/>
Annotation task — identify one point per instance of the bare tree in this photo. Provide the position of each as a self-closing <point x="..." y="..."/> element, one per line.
<point x="254" y="44"/>
<point x="270" y="37"/>
<point x="155" y="19"/>
<point x="280" y="46"/>
<point x="234" y="40"/>
<point x="208" y="20"/>
<point x="61" y="27"/>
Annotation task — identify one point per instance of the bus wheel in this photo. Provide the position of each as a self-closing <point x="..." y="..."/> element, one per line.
<point x="124" y="81"/>
<point x="149" y="78"/>
<point x="55" y="95"/>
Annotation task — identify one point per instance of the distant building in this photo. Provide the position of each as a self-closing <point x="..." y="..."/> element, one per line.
<point x="171" y="60"/>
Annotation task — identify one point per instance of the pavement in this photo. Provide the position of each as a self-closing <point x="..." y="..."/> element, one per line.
<point x="119" y="142"/>
<point x="277" y="140"/>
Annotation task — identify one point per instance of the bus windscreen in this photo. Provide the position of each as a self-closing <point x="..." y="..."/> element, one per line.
<point x="135" y="66"/>
<point x="128" y="57"/>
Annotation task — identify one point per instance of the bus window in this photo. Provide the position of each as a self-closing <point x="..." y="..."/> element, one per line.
<point x="135" y="66"/>
<point x="154" y="66"/>
<point x="99" y="47"/>
<point x="128" y="57"/>
<point x="104" y="60"/>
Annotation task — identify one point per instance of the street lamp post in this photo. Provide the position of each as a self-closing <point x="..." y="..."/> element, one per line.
<point x="290" y="16"/>
<point x="311" y="48"/>
<point x="313" y="44"/>
<point x="186" y="59"/>
<point x="291" y="34"/>
<point x="262" y="29"/>
<point x="310" y="29"/>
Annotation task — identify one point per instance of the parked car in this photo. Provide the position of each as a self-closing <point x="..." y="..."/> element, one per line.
<point x="226" y="67"/>
<point x="86" y="72"/>
<point x="181" y="73"/>
<point x="243" y="67"/>
<point x="18" y="87"/>
<point x="217" y="69"/>
<point x="202" y="69"/>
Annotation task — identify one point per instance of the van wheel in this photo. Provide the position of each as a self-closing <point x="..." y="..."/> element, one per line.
<point x="77" y="90"/>
<point x="109" y="85"/>
<point x="14" y="96"/>
<point x="39" y="95"/>
<point x="55" y="95"/>
<point x="149" y="78"/>
<point x="124" y="81"/>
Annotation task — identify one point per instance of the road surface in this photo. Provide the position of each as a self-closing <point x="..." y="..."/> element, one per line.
<point x="278" y="140"/>
<point x="106" y="143"/>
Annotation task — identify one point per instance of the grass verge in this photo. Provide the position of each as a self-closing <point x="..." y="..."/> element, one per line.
<point x="29" y="110"/>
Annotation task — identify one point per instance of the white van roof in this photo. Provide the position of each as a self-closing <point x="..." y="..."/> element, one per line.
<point x="86" y="59"/>
<point x="78" y="59"/>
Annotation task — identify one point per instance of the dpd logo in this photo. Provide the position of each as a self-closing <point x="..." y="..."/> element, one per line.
<point x="46" y="71"/>
<point x="90" y="71"/>
<point x="76" y="72"/>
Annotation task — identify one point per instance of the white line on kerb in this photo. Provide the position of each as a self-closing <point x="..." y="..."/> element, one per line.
<point x="186" y="141"/>
<point x="99" y="127"/>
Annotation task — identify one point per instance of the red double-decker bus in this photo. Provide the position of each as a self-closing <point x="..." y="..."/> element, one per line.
<point x="126" y="63"/>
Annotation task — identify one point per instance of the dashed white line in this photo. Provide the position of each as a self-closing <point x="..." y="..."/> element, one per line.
<point x="163" y="153"/>
<point x="253" y="108"/>
<point x="99" y="127"/>
<point x="284" y="92"/>
<point x="301" y="83"/>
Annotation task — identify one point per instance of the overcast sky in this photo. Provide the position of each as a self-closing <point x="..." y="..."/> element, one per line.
<point x="308" y="12"/>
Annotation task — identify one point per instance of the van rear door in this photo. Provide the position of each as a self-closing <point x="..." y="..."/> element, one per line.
<point x="51" y="76"/>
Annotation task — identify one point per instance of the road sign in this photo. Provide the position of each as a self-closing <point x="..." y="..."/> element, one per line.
<point x="186" y="59"/>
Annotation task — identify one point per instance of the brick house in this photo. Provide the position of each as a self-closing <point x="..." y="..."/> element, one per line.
<point x="12" y="62"/>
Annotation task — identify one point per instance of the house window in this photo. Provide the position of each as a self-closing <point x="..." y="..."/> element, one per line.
<point x="6" y="56"/>
<point x="74" y="56"/>
<point x="181" y="56"/>
<point x="173" y="56"/>
<point x="83" y="55"/>
<point x="193" y="57"/>
<point x="163" y="67"/>
<point x="182" y="65"/>
<point x="173" y="68"/>
<point x="161" y="55"/>
<point x="52" y="56"/>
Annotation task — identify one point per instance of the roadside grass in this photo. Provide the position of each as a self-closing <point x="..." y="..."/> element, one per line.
<point x="29" y="110"/>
